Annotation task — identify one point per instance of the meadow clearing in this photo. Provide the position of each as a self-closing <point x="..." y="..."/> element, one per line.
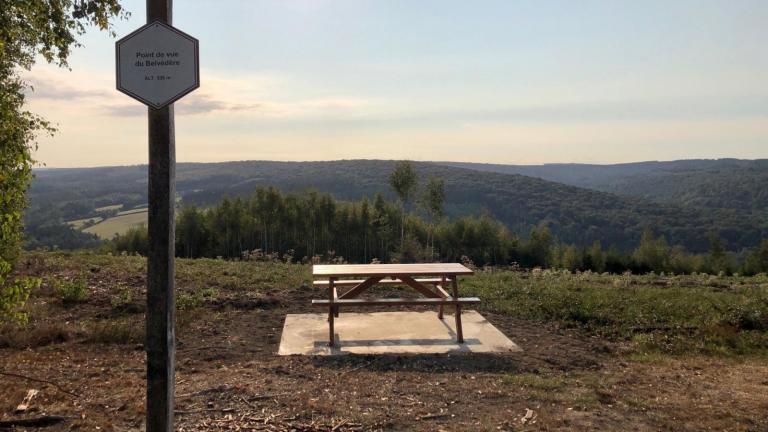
<point x="119" y="224"/>
<point x="601" y="352"/>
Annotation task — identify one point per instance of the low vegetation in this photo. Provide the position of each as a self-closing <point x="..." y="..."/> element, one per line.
<point x="71" y="290"/>
<point x="601" y="351"/>
<point x="670" y="314"/>
<point x="652" y="313"/>
<point x="13" y="295"/>
<point x="116" y="331"/>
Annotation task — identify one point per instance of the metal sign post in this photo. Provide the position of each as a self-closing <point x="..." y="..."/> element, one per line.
<point x="158" y="64"/>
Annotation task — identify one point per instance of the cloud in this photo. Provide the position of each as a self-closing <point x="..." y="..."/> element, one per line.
<point x="123" y="110"/>
<point x="278" y="102"/>
<point x="47" y="84"/>
<point x="253" y="96"/>
<point x="193" y="104"/>
<point x="207" y="102"/>
<point x="60" y="91"/>
<point x="203" y="103"/>
<point x="320" y="108"/>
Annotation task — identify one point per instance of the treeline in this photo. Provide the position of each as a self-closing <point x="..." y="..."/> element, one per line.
<point x="304" y="225"/>
<point x="59" y="234"/>
<point x="300" y="226"/>
<point x="654" y="254"/>
<point x="46" y="229"/>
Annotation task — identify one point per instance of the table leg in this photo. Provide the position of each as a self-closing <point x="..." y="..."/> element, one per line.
<point x="440" y="308"/>
<point x="459" y="331"/>
<point x="335" y="298"/>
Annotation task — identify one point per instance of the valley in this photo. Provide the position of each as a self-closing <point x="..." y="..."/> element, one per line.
<point x="576" y="214"/>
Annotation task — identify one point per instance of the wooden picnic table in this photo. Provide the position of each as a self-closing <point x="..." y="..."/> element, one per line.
<point x="431" y="280"/>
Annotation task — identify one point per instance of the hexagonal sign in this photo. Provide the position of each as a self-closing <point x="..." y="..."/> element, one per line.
<point x="157" y="64"/>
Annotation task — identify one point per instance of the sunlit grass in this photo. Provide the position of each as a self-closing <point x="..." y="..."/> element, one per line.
<point x="702" y="313"/>
<point x="719" y="315"/>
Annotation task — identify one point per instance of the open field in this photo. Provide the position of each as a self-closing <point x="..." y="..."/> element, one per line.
<point x="132" y="211"/>
<point x="110" y="207"/>
<point x="77" y="224"/>
<point x="108" y="228"/>
<point x="646" y="353"/>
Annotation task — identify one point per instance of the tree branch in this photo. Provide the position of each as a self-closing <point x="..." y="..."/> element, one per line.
<point x="58" y="387"/>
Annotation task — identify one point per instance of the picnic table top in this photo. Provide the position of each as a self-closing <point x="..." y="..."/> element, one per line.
<point x="431" y="269"/>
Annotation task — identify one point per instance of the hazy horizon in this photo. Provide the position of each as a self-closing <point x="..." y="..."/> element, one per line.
<point x="494" y="82"/>
<point x="412" y="160"/>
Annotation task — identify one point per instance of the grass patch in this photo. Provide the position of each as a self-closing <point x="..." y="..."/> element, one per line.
<point x="131" y="211"/>
<point x="71" y="291"/>
<point x="669" y="314"/>
<point x="196" y="299"/>
<point x="110" y="207"/>
<point x="123" y="298"/>
<point x="115" y="332"/>
<point x="108" y="228"/>
<point x="585" y="400"/>
<point x="647" y="357"/>
<point x="79" y="223"/>
<point x="664" y="314"/>
<point x="580" y="392"/>
<point x="21" y="337"/>
<point x="186" y="301"/>
<point x="234" y="276"/>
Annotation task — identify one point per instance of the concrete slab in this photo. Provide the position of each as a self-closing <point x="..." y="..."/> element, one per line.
<point x="391" y="333"/>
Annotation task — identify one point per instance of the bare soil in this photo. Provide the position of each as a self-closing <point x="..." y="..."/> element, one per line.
<point x="229" y="377"/>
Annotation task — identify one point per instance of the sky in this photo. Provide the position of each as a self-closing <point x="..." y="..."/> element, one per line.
<point x="518" y="82"/>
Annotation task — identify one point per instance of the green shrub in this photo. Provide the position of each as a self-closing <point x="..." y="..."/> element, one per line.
<point x="186" y="301"/>
<point x="209" y="293"/>
<point x="71" y="291"/>
<point x="195" y="299"/>
<point x="122" y="299"/>
<point x="14" y="294"/>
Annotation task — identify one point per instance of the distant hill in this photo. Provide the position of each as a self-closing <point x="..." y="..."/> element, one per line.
<point x="576" y="215"/>
<point x="715" y="183"/>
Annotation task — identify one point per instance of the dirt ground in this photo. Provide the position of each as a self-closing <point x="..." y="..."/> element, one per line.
<point x="229" y="378"/>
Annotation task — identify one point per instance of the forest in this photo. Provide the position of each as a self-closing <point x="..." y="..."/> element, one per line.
<point x="575" y="215"/>
<point x="314" y="227"/>
<point x="704" y="183"/>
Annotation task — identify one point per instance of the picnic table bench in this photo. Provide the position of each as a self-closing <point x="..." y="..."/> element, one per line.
<point x="431" y="280"/>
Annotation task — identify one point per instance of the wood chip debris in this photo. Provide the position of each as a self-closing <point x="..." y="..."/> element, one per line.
<point x="27" y="401"/>
<point x="529" y="416"/>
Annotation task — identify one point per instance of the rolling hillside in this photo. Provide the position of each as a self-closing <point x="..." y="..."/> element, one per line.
<point x="576" y="215"/>
<point x="718" y="183"/>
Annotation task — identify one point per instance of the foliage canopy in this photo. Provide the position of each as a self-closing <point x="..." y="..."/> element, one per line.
<point x="29" y="28"/>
